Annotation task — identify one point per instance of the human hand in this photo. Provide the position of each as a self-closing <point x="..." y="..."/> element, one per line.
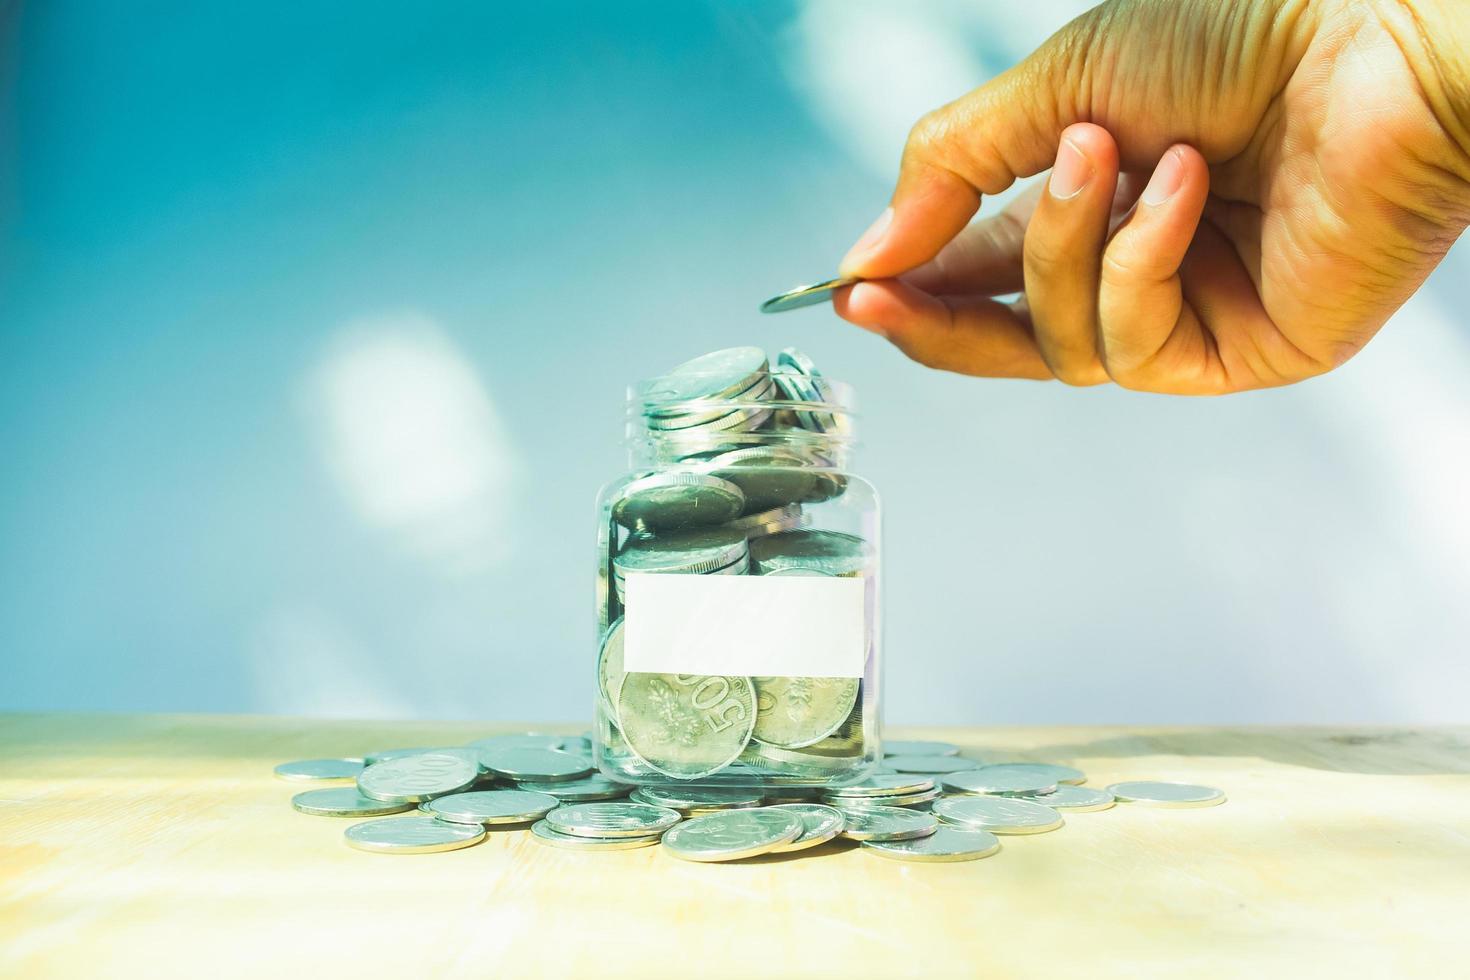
<point x="1310" y="165"/>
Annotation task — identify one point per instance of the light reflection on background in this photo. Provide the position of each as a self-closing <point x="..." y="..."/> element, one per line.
<point x="415" y="443"/>
<point x="315" y="331"/>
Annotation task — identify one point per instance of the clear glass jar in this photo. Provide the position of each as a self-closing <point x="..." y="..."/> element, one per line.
<point x="738" y="583"/>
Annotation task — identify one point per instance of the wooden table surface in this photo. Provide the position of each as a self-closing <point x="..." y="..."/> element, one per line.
<point x="162" y="846"/>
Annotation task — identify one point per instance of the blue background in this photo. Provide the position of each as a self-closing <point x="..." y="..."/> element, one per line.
<point x="315" y="323"/>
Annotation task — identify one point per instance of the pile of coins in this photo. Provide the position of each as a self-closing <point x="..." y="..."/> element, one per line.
<point x="899" y="811"/>
<point x="743" y="479"/>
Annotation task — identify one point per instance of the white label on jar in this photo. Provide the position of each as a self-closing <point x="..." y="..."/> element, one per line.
<point x="749" y="625"/>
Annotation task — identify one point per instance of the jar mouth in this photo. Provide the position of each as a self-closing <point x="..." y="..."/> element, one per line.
<point x="706" y="412"/>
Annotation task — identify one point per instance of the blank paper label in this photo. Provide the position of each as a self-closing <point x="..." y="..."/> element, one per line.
<point x="782" y="625"/>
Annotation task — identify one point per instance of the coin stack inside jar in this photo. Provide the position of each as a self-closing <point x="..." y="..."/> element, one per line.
<point x="741" y="472"/>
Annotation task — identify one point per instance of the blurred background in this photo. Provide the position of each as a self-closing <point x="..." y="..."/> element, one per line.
<point x="316" y="321"/>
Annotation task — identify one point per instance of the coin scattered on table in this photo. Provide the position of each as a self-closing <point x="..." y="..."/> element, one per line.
<point x="731" y="835"/>
<point x="887" y="823"/>
<point x="1166" y="794"/>
<point x="388" y="755"/>
<point x="697" y="799"/>
<point x="344" y="801"/>
<point x="860" y="802"/>
<point x="932" y="764"/>
<point x="819" y="824"/>
<point x="999" y="782"/>
<point x="945" y="845"/>
<point x="412" y="835"/>
<point x="583" y="790"/>
<point x="416" y="778"/>
<point x="997" y="814"/>
<point x="543" y="765"/>
<point x="320" y="770"/>
<point x="492" y="806"/>
<point x="900" y="815"/>
<point x="612" y="819"/>
<point x="897" y="784"/>
<point x="546" y="834"/>
<point x="1073" y="798"/>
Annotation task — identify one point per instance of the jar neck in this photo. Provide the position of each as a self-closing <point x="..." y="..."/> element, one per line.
<point x="815" y="419"/>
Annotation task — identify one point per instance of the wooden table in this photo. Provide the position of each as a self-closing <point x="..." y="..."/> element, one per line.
<point x="162" y="846"/>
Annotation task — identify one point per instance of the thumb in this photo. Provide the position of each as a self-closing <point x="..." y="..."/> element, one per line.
<point x="978" y="144"/>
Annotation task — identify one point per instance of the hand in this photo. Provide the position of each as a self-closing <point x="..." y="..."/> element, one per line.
<point x="1242" y="192"/>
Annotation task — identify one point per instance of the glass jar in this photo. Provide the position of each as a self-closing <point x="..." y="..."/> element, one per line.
<point x="737" y="583"/>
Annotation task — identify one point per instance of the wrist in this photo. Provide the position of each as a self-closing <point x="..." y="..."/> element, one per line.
<point x="1435" y="37"/>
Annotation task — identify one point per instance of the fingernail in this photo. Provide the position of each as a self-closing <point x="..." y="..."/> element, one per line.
<point x="869" y="241"/>
<point x="1070" y="173"/>
<point x="1167" y="179"/>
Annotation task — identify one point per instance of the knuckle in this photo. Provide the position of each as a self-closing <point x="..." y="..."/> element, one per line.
<point x="1123" y="266"/>
<point x="1130" y="378"/>
<point x="1044" y="251"/>
<point x="1080" y="373"/>
<point x="929" y="136"/>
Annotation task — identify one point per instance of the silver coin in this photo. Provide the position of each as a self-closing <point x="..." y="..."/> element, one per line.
<point x="697" y="552"/>
<point x="493" y="806"/>
<point x="899" y="784"/>
<point x="1166" y="794"/>
<point x="716" y="375"/>
<point x="887" y="823"/>
<point x="388" y="755"/>
<point x="1075" y="798"/>
<point x="344" y="801"/>
<point x="946" y="844"/>
<point x="731" y="835"/>
<point x="704" y="798"/>
<point x="908" y="799"/>
<point x="541" y="765"/>
<point x="412" y="835"/>
<point x="816" y="760"/>
<point x="767" y="476"/>
<point x="1000" y="781"/>
<point x="578" y="790"/>
<point x="703" y="420"/>
<point x="681" y="430"/>
<point x="810" y="295"/>
<point x="819" y="824"/>
<point x="1058" y="774"/>
<point x="612" y="819"/>
<point x="997" y="814"/>
<point x="686" y="725"/>
<point x="610" y="668"/>
<point x="416" y="778"/>
<point x="910" y="747"/>
<point x="546" y="834"/>
<point x="677" y="499"/>
<point x="792" y="712"/>
<point x="773" y="521"/>
<point x="831" y="552"/>
<point x="798" y="380"/>
<point x="320" y="770"/>
<point x="520" y="740"/>
<point x="932" y="764"/>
